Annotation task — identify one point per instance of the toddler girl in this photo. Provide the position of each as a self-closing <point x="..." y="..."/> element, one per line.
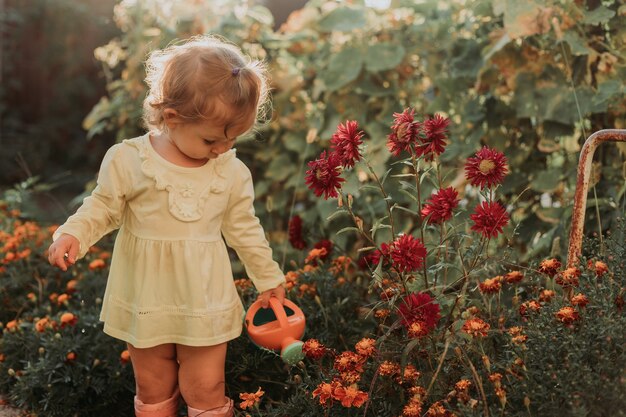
<point x="173" y="193"/>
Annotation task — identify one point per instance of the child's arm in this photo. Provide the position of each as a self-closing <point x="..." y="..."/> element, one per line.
<point x="243" y="232"/>
<point x="99" y="214"/>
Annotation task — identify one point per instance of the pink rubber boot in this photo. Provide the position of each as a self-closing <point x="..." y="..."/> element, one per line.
<point x="225" y="411"/>
<point x="167" y="408"/>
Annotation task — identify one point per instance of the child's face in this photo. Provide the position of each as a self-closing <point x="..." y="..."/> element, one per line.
<point x="201" y="140"/>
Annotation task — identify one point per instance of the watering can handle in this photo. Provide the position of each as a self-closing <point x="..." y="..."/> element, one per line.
<point x="279" y="311"/>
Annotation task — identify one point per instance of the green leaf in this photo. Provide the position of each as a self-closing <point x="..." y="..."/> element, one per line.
<point x="343" y="19"/>
<point x="343" y="68"/>
<point x="408" y="210"/>
<point x="383" y="56"/>
<point x="280" y="168"/>
<point x="546" y="181"/>
<point x="598" y="15"/>
<point x="348" y="229"/>
<point x="262" y="15"/>
<point x="577" y="45"/>
<point x="336" y="214"/>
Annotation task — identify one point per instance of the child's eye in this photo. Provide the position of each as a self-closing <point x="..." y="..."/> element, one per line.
<point x="209" y="142"/>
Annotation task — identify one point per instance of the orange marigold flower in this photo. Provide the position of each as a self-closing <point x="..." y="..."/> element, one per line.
<point x="417" y="329"/>
<point x="438" y="410"/>
<point x="546" y="296"/>
<point x="348" y="361"/>
<point x="97" y="264"/>
<point x="549" y="267"/>
<point x="412" y="409"/>
<point x="410" y="375"/>
<point x="567" y="315"/>
<point x="9" y="256"/>
<point x="32" y="296"/>
<point x="417" y="393"/>
<point x="388" y="368"/>
<point x="250" y="399"/>
<point x="70" y="287"/>
<point x="62" y="299"/>
<point x="519" y="339"/>
<point x="12" y="325"/>
<point x="382" y="313"/>
<point x="515" y="330"/>
<point x="529" y="306"/>
<point x="243" y="283"/>
<point x="42" y="324"/>
<point x="463" y="385"/>
<point x="350" y="396"/>
<point x="366" y="347"/>
<point x="3" y="357"/>
<point x="514" y="277"/>
<point x="340" y="265"/>
<point x="601" y="268"/>
<point x="68" y="319"/>
<point x="495" y="378"/>
<point x="350" y="377"/>
<point x="491" y="285"/>
<point x="568" y="278"/>
<point x="71" y="356"/>
<point x="291" y="279"/>
<point x="315" y="254"/>
<point x="475" y="327"/>
<point x="309" y="268"/>
<point x="313" y="349"/>
<point x="580" y="300"/>
<point x="125" y="356"/>
<point x="325" y="391"/>
<point x="24" y="253"/>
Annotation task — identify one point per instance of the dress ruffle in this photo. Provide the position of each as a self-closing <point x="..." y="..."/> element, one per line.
<point x="186" y="203"/>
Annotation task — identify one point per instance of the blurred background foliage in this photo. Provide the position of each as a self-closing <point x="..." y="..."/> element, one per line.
<point x="533" y="81"/>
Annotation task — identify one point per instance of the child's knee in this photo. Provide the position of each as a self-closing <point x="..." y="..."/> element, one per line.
<point x="206" y="394"/>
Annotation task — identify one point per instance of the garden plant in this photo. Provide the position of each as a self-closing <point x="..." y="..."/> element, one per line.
<point x="416" y="184"/>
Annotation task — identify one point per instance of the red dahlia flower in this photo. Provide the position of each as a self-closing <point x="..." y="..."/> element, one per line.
<point x="419" y="307"/>
<point x="407" y="253"/>
<point x="295" y="233"/>
<point x="489" y="219"/>
<point x="487" y="169"/>
<point x="404" y="132"/>
<point x="439" y="206"/>
<point x="435" y="141"/>
<point x="345" y="143"/>
<point x="323" y="177"/>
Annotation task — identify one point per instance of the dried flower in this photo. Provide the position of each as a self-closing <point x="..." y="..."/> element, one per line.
<point x="345" y="143"/>
<point x="550" y="267"/>
<point x="324" y="176"/>
<point x="489" y="218"/>
<point x="438" y="208"/>
<point x="438" y="410"/>
<point x="475" y="327"/>
<point x="419" y="307"/>
<point x="545" y="296"/>
<point x="404" y="132"/>
<point x="388" y="368"/>
<point x="487" y="168"/>
<point x="407" y="253"/>
<point x="600" y="268"/>
<point x="295" y="233"/>
<point x="250" y="399"/>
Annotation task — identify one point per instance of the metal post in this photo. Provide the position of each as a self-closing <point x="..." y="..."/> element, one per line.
<point x="582" y="185"/>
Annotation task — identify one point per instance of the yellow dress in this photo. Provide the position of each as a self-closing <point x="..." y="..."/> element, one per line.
<point x="170" y="279"/>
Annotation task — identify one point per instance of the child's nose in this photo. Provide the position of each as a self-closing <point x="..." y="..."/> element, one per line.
<point x="222" y="147"/>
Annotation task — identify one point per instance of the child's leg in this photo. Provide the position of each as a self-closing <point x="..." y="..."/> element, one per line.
<point x="201" y="378"/>
<point x="156" y="377"/>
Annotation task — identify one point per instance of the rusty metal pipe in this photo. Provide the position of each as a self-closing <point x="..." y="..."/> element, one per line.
<point x="582" y="186"/>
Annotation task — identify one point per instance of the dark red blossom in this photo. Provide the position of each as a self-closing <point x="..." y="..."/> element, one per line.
<point x="439" y="206"/>
<point x="404" y="132"/>
<point x="487" y="168"/>
<point x="489" y="219"/>
<point x="407" y="253"/>
<point x="345" y="143"/>
<point x="434" y="141"/>
<point x="295" y="233"/>
<point x="324" y="175"/>
<point x="313" y="349"/>
<point x="372" y="259"/>
<point x="326" y="244"/>
<point x="419" y="307"/>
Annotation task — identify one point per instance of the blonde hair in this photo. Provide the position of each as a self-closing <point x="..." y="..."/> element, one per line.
<point x="205" y="78"/>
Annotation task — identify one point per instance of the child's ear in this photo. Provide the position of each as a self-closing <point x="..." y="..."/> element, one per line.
<point x="171" y="117"/>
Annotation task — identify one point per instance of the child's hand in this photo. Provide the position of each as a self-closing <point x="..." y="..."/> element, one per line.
<point x="63" y="251"/>
<point x="278" y="292"/>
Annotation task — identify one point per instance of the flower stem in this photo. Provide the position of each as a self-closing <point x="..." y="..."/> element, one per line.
<point x="419" y="209"/>
<point x="387" y="201"/>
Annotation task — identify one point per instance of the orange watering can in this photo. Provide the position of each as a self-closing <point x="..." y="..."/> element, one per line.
<point x="279" y="327"/>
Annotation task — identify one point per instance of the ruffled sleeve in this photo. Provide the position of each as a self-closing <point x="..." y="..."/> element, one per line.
<point x="101" y="212"/>
<point x="244" y="233"/>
